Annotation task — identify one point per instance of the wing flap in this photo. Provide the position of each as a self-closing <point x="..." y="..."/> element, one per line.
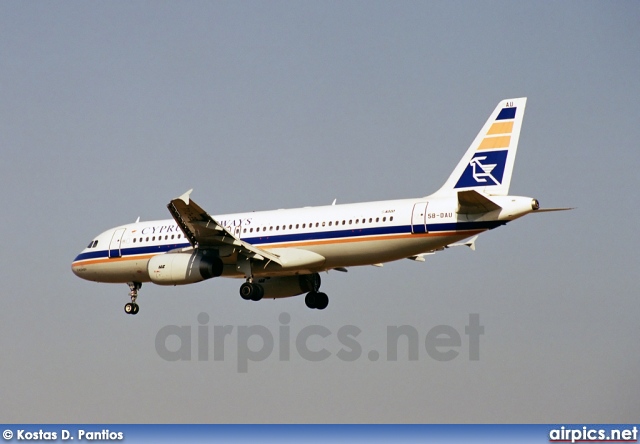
<point x="297" y="258"/>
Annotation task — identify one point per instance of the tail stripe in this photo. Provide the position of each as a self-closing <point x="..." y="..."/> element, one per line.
<point x="507" y="113"/>
<point x="489" y="143"/>
<point x="500" y="128"/>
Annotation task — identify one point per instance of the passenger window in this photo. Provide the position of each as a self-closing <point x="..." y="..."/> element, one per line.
<point x="330" y="222"/>
<point x="317" y="224"/>
<point x="350" y="221"/>
<point x="391" y="219"/>
<point x="323" y="224"/>
<point x="172" y="236"/>
<point x="304" y="225"/>
<point x="147" y="238"/>
<point x="134" y="240"/>
<point x="278" y="228"/>
<point x="384" y="219"/>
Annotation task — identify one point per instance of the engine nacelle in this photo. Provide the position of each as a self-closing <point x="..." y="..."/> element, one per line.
<point x="183" y="268"/>
<point x="287" y="286"/>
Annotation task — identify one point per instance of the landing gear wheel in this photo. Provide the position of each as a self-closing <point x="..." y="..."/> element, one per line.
<point x="322" y="300"/>
<point x="258" y="292"/>
<point x="245" y="290"/>
<point x="251" y="291"/>
<point x="132" y="307"/>
<point x="317" y="300"/>
<point x="310" y="299"/>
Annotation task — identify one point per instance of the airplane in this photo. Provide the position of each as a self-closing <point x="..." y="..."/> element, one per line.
<point x="281" y="253"/>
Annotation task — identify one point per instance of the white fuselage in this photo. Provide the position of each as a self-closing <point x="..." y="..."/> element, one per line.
<point x="344" y="235"/>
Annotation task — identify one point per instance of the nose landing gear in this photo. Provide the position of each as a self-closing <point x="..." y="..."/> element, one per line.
<point x="132" y="307"/>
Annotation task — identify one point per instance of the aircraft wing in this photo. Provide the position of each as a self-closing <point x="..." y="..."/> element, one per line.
<point x="203" y="231"/>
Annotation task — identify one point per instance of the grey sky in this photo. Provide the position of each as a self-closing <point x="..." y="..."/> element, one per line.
<point x="110" y="109"/>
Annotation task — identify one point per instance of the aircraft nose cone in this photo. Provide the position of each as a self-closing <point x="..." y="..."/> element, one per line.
<point x="78" y="269"/>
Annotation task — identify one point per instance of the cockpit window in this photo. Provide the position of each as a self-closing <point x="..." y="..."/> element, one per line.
<point x="90" y="245"/>
<point x="93" y="244"/>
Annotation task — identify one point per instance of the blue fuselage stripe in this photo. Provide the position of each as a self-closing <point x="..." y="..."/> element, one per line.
<point x="306" y="237"/>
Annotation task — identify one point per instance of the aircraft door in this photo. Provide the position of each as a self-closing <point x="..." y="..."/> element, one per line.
<point x="419" y="218"/>
<point x="116" y="240"/>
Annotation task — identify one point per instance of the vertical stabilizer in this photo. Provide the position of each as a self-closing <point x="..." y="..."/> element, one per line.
<point x="488" y="163"/>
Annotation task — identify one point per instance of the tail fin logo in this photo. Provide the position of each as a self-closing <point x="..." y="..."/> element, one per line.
<point x="484" y="169"/>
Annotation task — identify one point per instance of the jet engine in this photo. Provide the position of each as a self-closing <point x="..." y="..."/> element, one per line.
<point x="183" y="268"/>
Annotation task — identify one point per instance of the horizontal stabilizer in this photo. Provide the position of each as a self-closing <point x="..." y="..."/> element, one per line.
<point x="420" y="257"/>
<point x="471" y="243"/>
<point x="472" y="202"/>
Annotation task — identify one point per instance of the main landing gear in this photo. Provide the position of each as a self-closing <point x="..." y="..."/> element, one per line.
<point x="281" y="287"/>
<point x="131" y="307"/>
<point x="316" y="299"/>
<point x="251" y="291"/>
